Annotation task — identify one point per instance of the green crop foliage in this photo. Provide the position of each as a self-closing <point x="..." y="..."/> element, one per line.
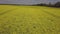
<point x="29" y="20"/>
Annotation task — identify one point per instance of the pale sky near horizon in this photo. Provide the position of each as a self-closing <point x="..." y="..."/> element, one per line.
<point x="27" y="1"/>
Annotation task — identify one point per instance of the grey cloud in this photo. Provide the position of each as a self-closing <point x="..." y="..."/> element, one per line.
<point x="27" y="1"/>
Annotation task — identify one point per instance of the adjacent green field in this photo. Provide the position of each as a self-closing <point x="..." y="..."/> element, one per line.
<point x="29" y="20"/>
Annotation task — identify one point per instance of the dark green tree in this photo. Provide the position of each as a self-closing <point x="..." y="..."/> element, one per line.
<point x="57" y="4"/>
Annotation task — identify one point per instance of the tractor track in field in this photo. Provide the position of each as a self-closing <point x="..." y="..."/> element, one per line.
<point x="28" y="20"/>
<point x="51" y="14"/>
<point x="7" y="11"/>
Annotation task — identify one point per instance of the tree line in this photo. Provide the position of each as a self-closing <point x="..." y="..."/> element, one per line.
<point x="57" y="4"/>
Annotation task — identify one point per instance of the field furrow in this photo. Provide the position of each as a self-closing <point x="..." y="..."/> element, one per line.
<point x="29" y="20"/>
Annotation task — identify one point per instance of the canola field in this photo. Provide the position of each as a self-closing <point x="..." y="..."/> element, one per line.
<point x="29" y="20"/>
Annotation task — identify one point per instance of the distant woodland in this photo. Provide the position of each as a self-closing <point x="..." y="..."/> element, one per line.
<point x="57" y="4"/>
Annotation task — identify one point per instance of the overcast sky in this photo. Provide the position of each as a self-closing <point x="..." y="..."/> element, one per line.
<point x="27" y="1"/>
